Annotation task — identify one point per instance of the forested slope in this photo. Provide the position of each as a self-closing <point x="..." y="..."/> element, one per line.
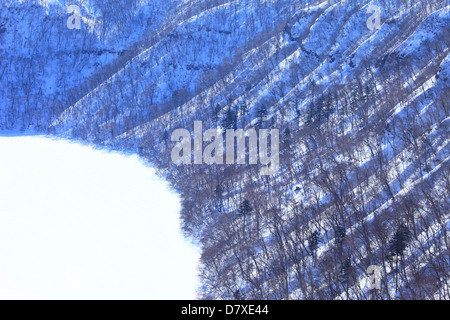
<point x="363" y="115"/>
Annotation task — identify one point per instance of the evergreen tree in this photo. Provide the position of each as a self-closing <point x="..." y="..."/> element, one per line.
<point x="218" y="192"/>
<point x="345" y="271"/>
<point x="399" y="242"/>
<point x="313" y="240"/>
<point x="245" y="207"/>
<point x="368" y="96"/>
<point x="311" y="113"/>
<point x="215" y="115"/>
<point x="327" y="107"/>
<point x="165" y="136"/>
<point x="261" y="113"/>
<point x="286" y="136"/>
<point x="339" y="235"/>
<point x="230" y="120"/>
<point x="320" y="110"/>
<point x="244" y="109"/>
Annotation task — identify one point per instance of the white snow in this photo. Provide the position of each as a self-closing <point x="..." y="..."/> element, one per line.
<point x="79" y="223"/>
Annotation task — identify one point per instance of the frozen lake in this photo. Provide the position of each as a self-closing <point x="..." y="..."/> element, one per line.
<point x="79" y="223"/>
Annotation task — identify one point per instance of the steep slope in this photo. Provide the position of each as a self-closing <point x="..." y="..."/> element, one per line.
<point x="364" y="121"/>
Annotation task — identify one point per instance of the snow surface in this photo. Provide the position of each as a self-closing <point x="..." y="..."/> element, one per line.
<point x="79" y="223"/>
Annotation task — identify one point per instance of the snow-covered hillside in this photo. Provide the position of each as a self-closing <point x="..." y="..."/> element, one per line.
<point x="362" y="108"/>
